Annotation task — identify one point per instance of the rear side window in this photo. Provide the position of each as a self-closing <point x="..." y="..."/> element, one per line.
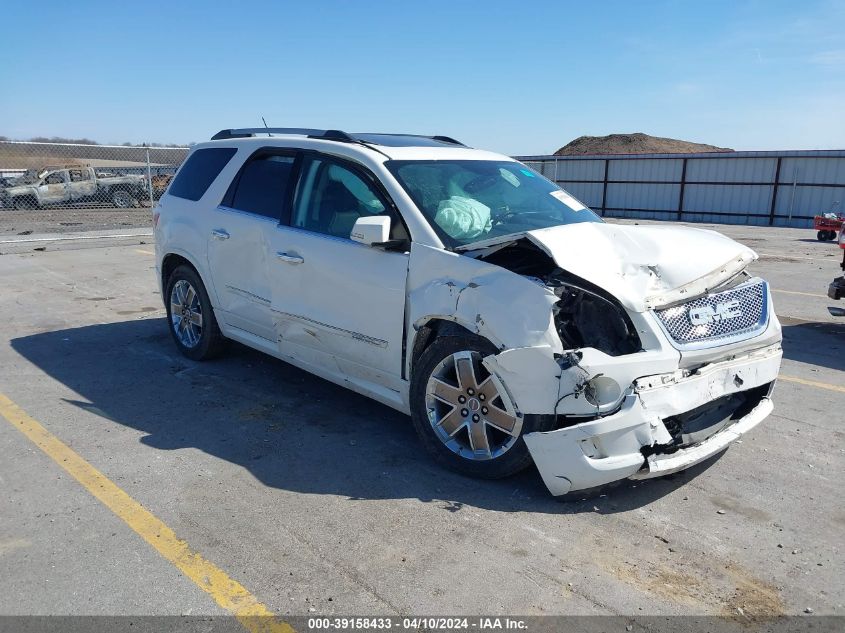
<point x="199" y="171"/>
<point x="263" y="185"/>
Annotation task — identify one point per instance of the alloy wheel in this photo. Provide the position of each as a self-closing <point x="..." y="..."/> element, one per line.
<point x="186" y="313"/>
<point x="469" y="410"/>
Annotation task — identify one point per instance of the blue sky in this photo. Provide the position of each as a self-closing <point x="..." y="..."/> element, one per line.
<point x="516" y="77"/>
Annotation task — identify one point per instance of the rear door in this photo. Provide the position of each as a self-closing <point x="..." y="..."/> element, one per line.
<point x="82" y="185"/>
<point x="238" y="253"/>
<point x="339" y="304"/>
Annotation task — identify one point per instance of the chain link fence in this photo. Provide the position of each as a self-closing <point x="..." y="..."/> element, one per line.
<point x="72" y="176"/>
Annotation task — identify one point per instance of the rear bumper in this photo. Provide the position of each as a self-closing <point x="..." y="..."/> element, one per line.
<point x="610" y="448"/>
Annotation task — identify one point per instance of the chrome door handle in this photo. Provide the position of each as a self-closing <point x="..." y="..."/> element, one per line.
<point x="220" y="234"/>
<point x="288" y="258"/>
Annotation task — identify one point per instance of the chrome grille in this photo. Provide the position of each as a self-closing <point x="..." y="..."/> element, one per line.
<point x="733" y="314"/>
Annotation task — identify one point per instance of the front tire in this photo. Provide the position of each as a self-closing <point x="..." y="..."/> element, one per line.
<point x="24" y="203"/>
<point x="464" y="416"/>
<point x="190" y="316"/>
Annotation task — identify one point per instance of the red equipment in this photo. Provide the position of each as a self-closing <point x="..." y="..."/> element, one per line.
<point x="828" y="228"/>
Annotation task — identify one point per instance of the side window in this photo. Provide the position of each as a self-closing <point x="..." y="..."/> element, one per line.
<point x="199" y="171"/>
<point x="79" y="175"/>
<point x="56" y="178"/>
<point x="262" y="185"/>
<point x="332" y="197"/>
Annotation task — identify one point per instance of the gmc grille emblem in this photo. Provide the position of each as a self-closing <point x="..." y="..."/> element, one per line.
<point x="705" y="315"/>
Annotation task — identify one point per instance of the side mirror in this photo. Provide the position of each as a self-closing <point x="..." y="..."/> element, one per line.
<point x="370" y="230"/>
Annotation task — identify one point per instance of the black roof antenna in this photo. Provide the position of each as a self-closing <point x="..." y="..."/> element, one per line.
<point x="265" y="125"/>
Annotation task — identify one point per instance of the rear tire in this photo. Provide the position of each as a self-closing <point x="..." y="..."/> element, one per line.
<point x="821" y="236"/>
<point x="190" y="316"/>
<point x="462" y="415"/>
<point x="122" y="199"/>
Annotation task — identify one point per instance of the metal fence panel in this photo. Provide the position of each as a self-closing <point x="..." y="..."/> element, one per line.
<point x="656" y="169"/>
<point x="739" y="199"/>
<point x="731" y="170"/>
<point x="728" y="218"/>
<point x="644" y="196"/>
<point x="587" y="192"/>
<point x="580" y="170"/>
<point x="776" y="188"/>
<point x="805" y="202"/>
<point x="825" y="170"/>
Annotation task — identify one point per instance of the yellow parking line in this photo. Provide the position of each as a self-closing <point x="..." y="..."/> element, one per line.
<point x="144" y="252"/>
<point x="812" y="383"/>
<point x="227" y="592"/>
<point x="795" y="292"/>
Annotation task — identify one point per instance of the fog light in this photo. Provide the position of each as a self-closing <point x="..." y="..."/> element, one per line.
<point x="602" y="390"/>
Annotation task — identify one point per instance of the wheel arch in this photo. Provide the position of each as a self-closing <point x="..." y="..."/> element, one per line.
<point x="428" y="329"/>
<point x="29" y="198"/>
<point x="170" y="262"/>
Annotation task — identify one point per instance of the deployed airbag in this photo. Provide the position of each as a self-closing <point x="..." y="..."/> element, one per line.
<point x="463" y="218"/>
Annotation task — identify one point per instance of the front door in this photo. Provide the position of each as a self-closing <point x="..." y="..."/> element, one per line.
<point x="53" y="189"/>
<point x="338" y="304"/>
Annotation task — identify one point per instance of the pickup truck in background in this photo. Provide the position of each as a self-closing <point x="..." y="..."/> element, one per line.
<point x="73" y="184"/>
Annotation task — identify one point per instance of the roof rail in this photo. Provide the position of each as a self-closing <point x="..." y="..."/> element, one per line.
<point x="328" y="135"/>
<point x="332" y="135"/>
<point x="447" y="139"/>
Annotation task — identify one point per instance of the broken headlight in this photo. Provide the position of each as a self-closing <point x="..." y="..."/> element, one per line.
<point x="586" y="318"/>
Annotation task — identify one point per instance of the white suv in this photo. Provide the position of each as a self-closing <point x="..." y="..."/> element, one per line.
<point x="465" y="289"/>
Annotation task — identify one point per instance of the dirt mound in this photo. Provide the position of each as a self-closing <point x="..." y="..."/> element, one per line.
<point x="637" y="143"/>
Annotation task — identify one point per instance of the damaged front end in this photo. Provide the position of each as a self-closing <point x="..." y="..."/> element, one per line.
<point x="648" y="367"/>
<point x="665" y="423"/>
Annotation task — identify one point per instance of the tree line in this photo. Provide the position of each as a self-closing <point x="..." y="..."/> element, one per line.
<point x="85" y="141"/>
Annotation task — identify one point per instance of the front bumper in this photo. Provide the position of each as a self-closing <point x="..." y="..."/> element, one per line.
<point x="610" y="448"/>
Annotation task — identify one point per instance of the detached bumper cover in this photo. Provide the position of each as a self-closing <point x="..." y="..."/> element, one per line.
<point x="836" y="289"/>
<point x="659" y="465"/>
<point x="608" y="449"/>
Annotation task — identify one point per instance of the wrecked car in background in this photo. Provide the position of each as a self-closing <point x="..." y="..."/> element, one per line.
<point x="468" y="291"/>
<point x="71" y="184"/>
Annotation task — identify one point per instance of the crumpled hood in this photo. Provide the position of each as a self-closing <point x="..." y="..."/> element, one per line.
<point x="644" y="267"/>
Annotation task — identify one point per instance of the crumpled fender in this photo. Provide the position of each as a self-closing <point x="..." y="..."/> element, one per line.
<point x="515" y="314"/>
<point x="449" y="286"/>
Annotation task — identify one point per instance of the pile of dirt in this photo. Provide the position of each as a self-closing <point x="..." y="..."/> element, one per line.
<point x="636" y="143"/>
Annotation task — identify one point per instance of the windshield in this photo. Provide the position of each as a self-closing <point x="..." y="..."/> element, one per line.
<point x="473" y="200"/>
